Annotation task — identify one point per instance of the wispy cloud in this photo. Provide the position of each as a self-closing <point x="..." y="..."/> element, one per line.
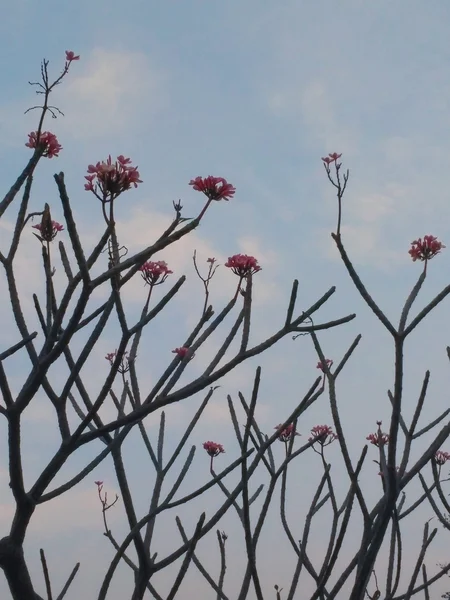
<point x="110" y="93"/>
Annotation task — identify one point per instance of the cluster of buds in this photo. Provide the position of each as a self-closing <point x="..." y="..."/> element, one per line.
<point x="154" y="273"/>
<point x="323" y="435"/>
<point x="45" y="139"/>
<point x="425" y="249"/>
<point x="48" y="230"/>
<point x="223" y="536"/>
<point x="214" y="188"/>
<point x="104" y="498"/>
<point x="124" y="363"/>
<point x="213" y="449"/>
<point x="321" y="366"/>
<point x="107" y="180"/>
<point x="243" y="265"/>
<point x="441" y="457"/>
<point x="286" y="433"/>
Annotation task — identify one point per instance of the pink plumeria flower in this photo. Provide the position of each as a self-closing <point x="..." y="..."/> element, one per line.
<point x="155" y="273"/>
<point x="243" y="265"/>
<point x="425" y="249"/>
<point x="124" y="366"/>
<point x="215" y="188"/>
<point x="378" y="439"/>
<point x="47" y="139"/>
<point x="323" y="434"/>
<point x="107" y="180"/>
<point x="441" y="457"/>
<point x="320" y="365"/>
<point x="332" y="157"/>
<point x="213" y="449"/>
<point x="70" y="56"/>
<point x="47" y="234"/>
<point x="286" y="433"/>
<point x="182" y="352"/>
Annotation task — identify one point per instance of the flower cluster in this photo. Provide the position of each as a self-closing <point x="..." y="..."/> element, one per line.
<point x="378" y="439"/>
<point x="155" y="273"/>
<point x="46" y="139"/>
<point x="48" y="231"/>
<point x="181" y="352"/>
<point x="111" y="179"/>
<point x="124" y="364"/>
<point x="213" y="449"/>
<point x="331" y="158"/>
<point x="214" y="188"/>
<point x="243" y="265"/>
<point x="285" y="433"/>
<point x="441" y="457"/>
<point x="425" y="249"/>
<point x="323" y="434"/>
<point x="321" y="366"/>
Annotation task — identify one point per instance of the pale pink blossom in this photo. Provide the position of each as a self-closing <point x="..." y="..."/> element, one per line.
<point x="213" y="449"/>
<point x="181" y="352"/>
<point x="378" y="439"/>
<point x="243" y="265"/>
<point x="441" y="457"/>
<point x="285" y="434"/>
<point x="425" y="249"/>
<point x="48" y="234"/>
<point x="107" y="179"/>
<point x="51" y="145"/>
<point x="321" y="366"/>
<point x="124" y="366"/>
<point x="155" y="273"/>
<point x="215" y="188"/>
<point x="70" y="56"/>
<point x="323" y="434"/>
<point x="332" y="157"/>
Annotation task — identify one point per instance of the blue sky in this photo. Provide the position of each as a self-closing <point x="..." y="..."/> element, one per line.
<point x="257" y="93"/>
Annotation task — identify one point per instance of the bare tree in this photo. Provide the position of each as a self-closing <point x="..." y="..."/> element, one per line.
<point x="69" y="312"/>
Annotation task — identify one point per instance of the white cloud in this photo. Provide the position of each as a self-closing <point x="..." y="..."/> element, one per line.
<point x="365" y="244"/>
<point x="111" y="94"/>
<point x="371" y="208"/>
<point x="311" y="103"/>
<point x="399" y="149"/>
<point x="252" y="246"/>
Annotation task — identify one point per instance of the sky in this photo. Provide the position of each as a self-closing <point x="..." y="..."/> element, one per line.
<point x="256" y="93"/>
